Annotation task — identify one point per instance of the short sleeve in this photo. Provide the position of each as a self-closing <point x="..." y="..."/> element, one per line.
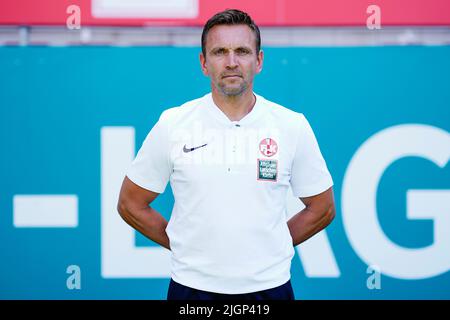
<point x="309" y="172"/>
<point x="151" y="168"/>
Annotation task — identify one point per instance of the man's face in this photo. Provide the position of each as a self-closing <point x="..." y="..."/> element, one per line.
<point x="231" y="59"/>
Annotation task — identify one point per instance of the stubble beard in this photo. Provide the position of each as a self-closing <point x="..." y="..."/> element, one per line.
<point x="232" y="91"/>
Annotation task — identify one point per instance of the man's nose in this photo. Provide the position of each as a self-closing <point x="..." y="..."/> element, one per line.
<point x="232" y="61"/>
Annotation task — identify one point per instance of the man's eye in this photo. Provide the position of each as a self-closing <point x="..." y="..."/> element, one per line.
<point x="242" y="51"/>
<point x="219" y="52"/>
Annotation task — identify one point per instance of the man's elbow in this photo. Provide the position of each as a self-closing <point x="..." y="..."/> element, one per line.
<point x="122" y="209"/>
<point x="330" y="214"/>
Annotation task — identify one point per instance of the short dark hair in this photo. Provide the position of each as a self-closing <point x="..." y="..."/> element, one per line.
<point x="231" y="17"/>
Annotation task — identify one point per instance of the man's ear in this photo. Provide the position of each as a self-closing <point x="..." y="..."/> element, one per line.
<point x="259" y="61"/>
<point x="203" y="64"/>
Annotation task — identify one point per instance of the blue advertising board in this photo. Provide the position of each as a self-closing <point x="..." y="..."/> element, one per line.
<point x="72" y="118"/>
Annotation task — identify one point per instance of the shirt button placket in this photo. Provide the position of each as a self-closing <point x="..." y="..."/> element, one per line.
<point x="235" y="127"/>
<point x="233" y="149"/>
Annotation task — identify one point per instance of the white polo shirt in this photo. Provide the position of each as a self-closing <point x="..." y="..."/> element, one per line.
<point x="228" y="231"/>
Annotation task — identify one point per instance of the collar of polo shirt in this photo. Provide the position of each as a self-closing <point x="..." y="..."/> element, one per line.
<point x="249" y="118"/>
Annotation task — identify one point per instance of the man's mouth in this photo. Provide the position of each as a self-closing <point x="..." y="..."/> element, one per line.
<point x="232" y="76"/>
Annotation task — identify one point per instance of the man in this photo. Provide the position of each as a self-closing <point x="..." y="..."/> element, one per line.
<point x="230" y="157"/>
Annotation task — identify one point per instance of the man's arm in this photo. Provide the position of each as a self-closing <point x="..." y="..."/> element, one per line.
<point x="318" y="213"/>
<point x="133" y="207"/>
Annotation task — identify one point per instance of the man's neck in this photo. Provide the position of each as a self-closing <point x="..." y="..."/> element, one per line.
<point x="235" y="107"/>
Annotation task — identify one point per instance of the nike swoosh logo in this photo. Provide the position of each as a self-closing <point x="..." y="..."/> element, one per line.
<point x="186" y="150"/>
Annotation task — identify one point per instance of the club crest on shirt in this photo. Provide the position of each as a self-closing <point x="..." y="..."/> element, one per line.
<point x="267" y="169"/>
<point x="268" y="147"/>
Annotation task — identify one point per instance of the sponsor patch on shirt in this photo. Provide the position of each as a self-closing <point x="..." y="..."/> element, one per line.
<point x="267" y="169"/>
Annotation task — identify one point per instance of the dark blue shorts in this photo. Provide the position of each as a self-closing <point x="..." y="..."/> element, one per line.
<point x="178" y="291"/>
